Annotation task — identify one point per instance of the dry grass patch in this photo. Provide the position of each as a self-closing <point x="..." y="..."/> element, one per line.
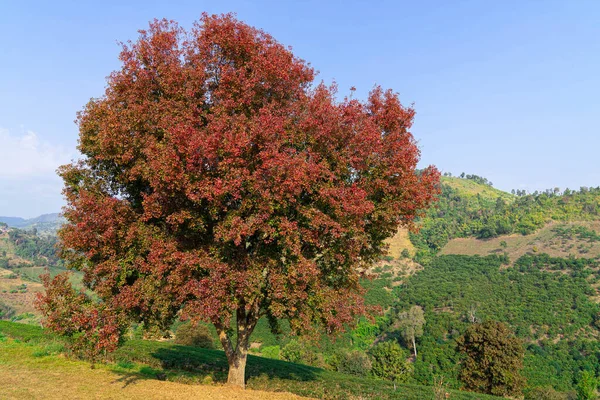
<point x="546" y="240"/>
<point x="23" y="376"/>
<point x="399" y="242"/>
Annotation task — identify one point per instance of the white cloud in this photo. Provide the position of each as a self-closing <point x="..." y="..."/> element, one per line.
<point x="29" y="185"/>
<point x="27" y="156"/>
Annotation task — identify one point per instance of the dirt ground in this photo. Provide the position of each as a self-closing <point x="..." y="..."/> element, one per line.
<point x="24" y="383"/>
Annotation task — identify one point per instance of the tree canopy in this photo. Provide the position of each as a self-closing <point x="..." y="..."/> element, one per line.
<point x="219" y="183"/>
<point x="493" y="359"/>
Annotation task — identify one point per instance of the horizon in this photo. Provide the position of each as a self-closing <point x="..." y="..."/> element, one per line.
<point x="504" y="91"/>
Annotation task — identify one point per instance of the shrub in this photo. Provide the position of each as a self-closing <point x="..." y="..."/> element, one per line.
<point x="354" y="363"/>
<point x="405" y="253"/>
<point x="586" y="386"/>
<point x="189" y="334"/>
<point x="271" y="352"/>
<point x="388" y="362"/>
<point x="302" y="353"/>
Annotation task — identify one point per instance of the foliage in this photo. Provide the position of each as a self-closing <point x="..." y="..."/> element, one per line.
<point x="144" y="359"/>
<point x="271" y="352"/>
<point x="410" y="323"/>
<point x="377" y="292"/>
<point x="390" y="362"/>
<point x="301" y="352"/>
<point x="217" y="183"/>
<point x="190" y="334"/>
<point x="364" y="334"/>
<point x="493" y="359"/>
<point x="354" y="362"/>
<point x="95" y="328"/>
<point x="587" y="385"/>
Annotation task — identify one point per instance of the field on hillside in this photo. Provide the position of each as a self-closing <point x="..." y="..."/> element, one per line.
<point x="547" y="240"/>
<point x="17" y="293"/>
<point x="6" y="247"/>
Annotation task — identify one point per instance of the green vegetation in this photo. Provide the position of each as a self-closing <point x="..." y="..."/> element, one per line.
<point x="493" y="359"/>
<point x="151" y="359"/>
<point x="469" y="208"/>
<point x="549" y="302"/>
<point x="545" y="301"/>
<point x="40" y="250"/>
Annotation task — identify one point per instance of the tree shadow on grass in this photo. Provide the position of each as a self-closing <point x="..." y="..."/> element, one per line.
<point x="214" y="363"/>
<point x="128" y="379"/>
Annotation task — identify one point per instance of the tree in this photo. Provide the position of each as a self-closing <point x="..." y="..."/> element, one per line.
<point x="198" y="335"/>
<point x="587" y="385"/>
<point x="389" y="362"/>
<point x="493" y="359"/>
<point x="219" y="184"/>
<point x="411" y="324"/>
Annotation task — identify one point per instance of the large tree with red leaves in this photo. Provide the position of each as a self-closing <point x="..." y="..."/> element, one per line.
<point x="219" y="183"/>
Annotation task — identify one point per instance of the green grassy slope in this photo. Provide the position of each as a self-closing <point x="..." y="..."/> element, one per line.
<point x="470" y="188"/>
<point x="146" y="359"/>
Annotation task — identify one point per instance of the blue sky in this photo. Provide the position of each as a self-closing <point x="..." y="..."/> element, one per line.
<point x="503" y="89"/>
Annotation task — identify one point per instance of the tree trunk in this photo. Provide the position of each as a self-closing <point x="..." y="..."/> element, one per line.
<point x="237" y="356"/>
<point x="414" y="347"/>
<point x="237" y="369"/>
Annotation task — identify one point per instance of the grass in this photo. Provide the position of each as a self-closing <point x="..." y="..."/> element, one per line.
<point x="399" y="242"/>
<point x="139" y="360"/>
<point x="471" y="188"/>
<point x="26" y="373"/>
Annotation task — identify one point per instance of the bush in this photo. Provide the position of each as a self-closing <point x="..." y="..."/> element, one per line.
<point x="354" y="363"/>
<point x="198" y="335"/>
<point x="271" y="352"/>
<point x="389" y="362"/>
<point x="586" y="387"/>
<point x="292" y="352"/>
<point x="405" y="253"/>
<point x="302" y="353"/>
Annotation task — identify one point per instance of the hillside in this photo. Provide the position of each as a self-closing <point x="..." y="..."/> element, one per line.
<point x="471" y="209"/>
<point x="36" y="361"/>
<point x="530" y="261"/>
<point x="44" y="224"/>
<point x="471" y="188"/>
<point x="24" y="256"/>
<point x="573" y="239"/>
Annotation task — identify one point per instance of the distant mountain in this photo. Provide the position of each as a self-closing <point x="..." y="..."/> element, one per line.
<point x="14" y="222"/>
<point x="46" y="223"/>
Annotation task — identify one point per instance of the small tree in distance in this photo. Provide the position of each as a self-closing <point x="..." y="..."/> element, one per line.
<point x="219" y="184"/>
<point x="411" y="324"/>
